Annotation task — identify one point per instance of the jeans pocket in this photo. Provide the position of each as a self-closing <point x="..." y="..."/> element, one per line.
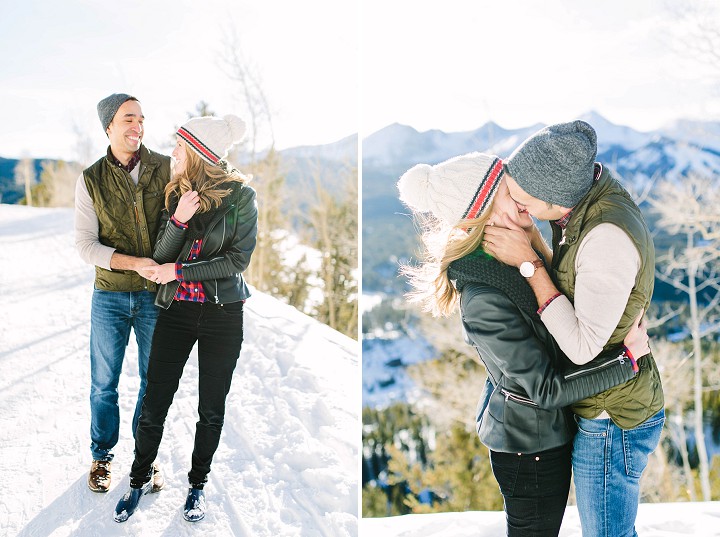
<point x="505" y="468"/>
<point x="591" y="428"/>
<point x="233" y="309"/>
<point x="640" y="442"/>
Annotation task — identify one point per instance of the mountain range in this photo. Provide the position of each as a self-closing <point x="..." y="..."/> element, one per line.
<point x="300" y="165"/>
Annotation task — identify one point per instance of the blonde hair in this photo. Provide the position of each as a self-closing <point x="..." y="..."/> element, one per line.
<point x="205" y="178"/>
<point x="442" y="245"/>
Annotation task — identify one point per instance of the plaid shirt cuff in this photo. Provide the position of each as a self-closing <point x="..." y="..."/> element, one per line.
<point x="178" y="223"/>
<point x="178" y="271"/>
<point x="549" y="301"/>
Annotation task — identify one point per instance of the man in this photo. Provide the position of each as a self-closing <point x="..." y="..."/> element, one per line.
<point x="602" y="278"/>
<point x="118" y="201"/>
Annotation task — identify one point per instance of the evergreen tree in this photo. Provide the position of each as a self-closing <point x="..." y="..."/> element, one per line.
<point x="334" y="220"/>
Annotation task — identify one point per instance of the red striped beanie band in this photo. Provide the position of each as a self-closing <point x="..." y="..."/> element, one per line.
<point x="204" y="151"/>
<point x="485" y="191"/>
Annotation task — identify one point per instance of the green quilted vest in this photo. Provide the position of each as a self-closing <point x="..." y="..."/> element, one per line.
<point x="631" y="403"/>
<point x="128" y="214"/>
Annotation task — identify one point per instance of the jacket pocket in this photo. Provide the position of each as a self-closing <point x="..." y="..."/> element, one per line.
<point x="516" y="398"/>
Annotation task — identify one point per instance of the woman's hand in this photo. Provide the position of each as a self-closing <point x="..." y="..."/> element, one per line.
<point x="188" y="204"/>
<point x="160" y="273"/>
<point x="637" y="340"/>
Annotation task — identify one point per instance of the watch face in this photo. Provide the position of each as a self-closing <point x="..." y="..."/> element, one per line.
<point x="527" y="269"/>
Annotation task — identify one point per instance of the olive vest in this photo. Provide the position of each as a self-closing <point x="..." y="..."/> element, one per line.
<point x="635" y="401"/>
<point x="128" y="214"/>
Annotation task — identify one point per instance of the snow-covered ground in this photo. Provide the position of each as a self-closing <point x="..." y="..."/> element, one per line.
<point x="288" y="459"/>
<point x="654" y="520"/>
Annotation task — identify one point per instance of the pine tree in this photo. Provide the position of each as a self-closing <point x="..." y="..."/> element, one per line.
<point x="334" y="220"/>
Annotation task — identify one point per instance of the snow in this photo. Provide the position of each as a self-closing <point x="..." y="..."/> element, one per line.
<point x="287" y="464"/>
<point x="696" y="519"/>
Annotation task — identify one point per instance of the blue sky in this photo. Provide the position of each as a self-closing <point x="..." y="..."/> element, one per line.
<point x="60" y="58"/>
<point x="460" y="63"/>
<point x="331" y="68"/>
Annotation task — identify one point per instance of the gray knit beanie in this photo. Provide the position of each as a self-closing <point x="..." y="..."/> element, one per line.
<point x="108" y="107"/>
<point x="556" y="164"/>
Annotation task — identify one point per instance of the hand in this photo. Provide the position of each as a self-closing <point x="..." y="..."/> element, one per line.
<point x="144" y="265"/>
<point x="188" y="204"/>
<point x="161" y="273"/>
<point x="637" y="340"/>
<point x="507" y="242"/>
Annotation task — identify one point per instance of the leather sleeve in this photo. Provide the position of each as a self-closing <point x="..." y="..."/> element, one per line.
<point x="503" y="335"/>
<point x="169" y="242"/>
<point x="236" y="258"/>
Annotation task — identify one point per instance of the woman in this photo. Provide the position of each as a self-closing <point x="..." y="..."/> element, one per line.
<point x="207" y="236"/>
<point x="521" y="415"/>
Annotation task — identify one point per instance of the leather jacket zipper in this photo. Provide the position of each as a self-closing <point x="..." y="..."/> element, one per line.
<point x="588" y="370"/>
<point x="517" y="398"/>
<point x="222" y="242"/>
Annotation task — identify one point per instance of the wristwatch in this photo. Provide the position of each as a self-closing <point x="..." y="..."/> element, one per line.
<point x="528" y="268"/>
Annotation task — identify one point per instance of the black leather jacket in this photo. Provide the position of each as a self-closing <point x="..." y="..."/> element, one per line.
<point x="227" y="244"/>
<point x="530" y="381"/>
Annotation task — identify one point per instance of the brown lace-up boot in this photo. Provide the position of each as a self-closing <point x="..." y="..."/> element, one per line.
<point x="99" y="478"/>
<point x="158" y="481"/>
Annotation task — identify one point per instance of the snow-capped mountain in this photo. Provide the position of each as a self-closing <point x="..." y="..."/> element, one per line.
<point x="681" y="148"/>
<point x="344" y="150"/>
<point x="402" y="145"/>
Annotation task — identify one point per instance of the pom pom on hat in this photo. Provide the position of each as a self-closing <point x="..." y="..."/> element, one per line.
<point x="459" y="188"/>
<point x="212" y="137"/>
<point x="415" y="187"/>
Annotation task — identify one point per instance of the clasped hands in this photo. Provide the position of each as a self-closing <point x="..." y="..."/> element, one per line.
<point x="188" y="204"/>
<point x="150" y="270"/>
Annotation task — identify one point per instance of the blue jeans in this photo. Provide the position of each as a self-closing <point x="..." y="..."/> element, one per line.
<point x="607" y="464"/>
<point x="112" y="316"/>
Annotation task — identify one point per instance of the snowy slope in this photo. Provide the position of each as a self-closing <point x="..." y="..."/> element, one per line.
<point x="288" y="459"/>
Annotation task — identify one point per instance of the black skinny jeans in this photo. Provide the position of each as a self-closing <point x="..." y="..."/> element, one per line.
<point x="535" y="489"/>
<point x="218" y="330"/>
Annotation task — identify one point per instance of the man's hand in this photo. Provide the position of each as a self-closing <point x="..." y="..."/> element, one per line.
<point x="144" y="265"/>
<point x="161" y="273"/>
<point x="188" y="204"/>
<point x="128" y="262"/>
<point x="508" y="243"/>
